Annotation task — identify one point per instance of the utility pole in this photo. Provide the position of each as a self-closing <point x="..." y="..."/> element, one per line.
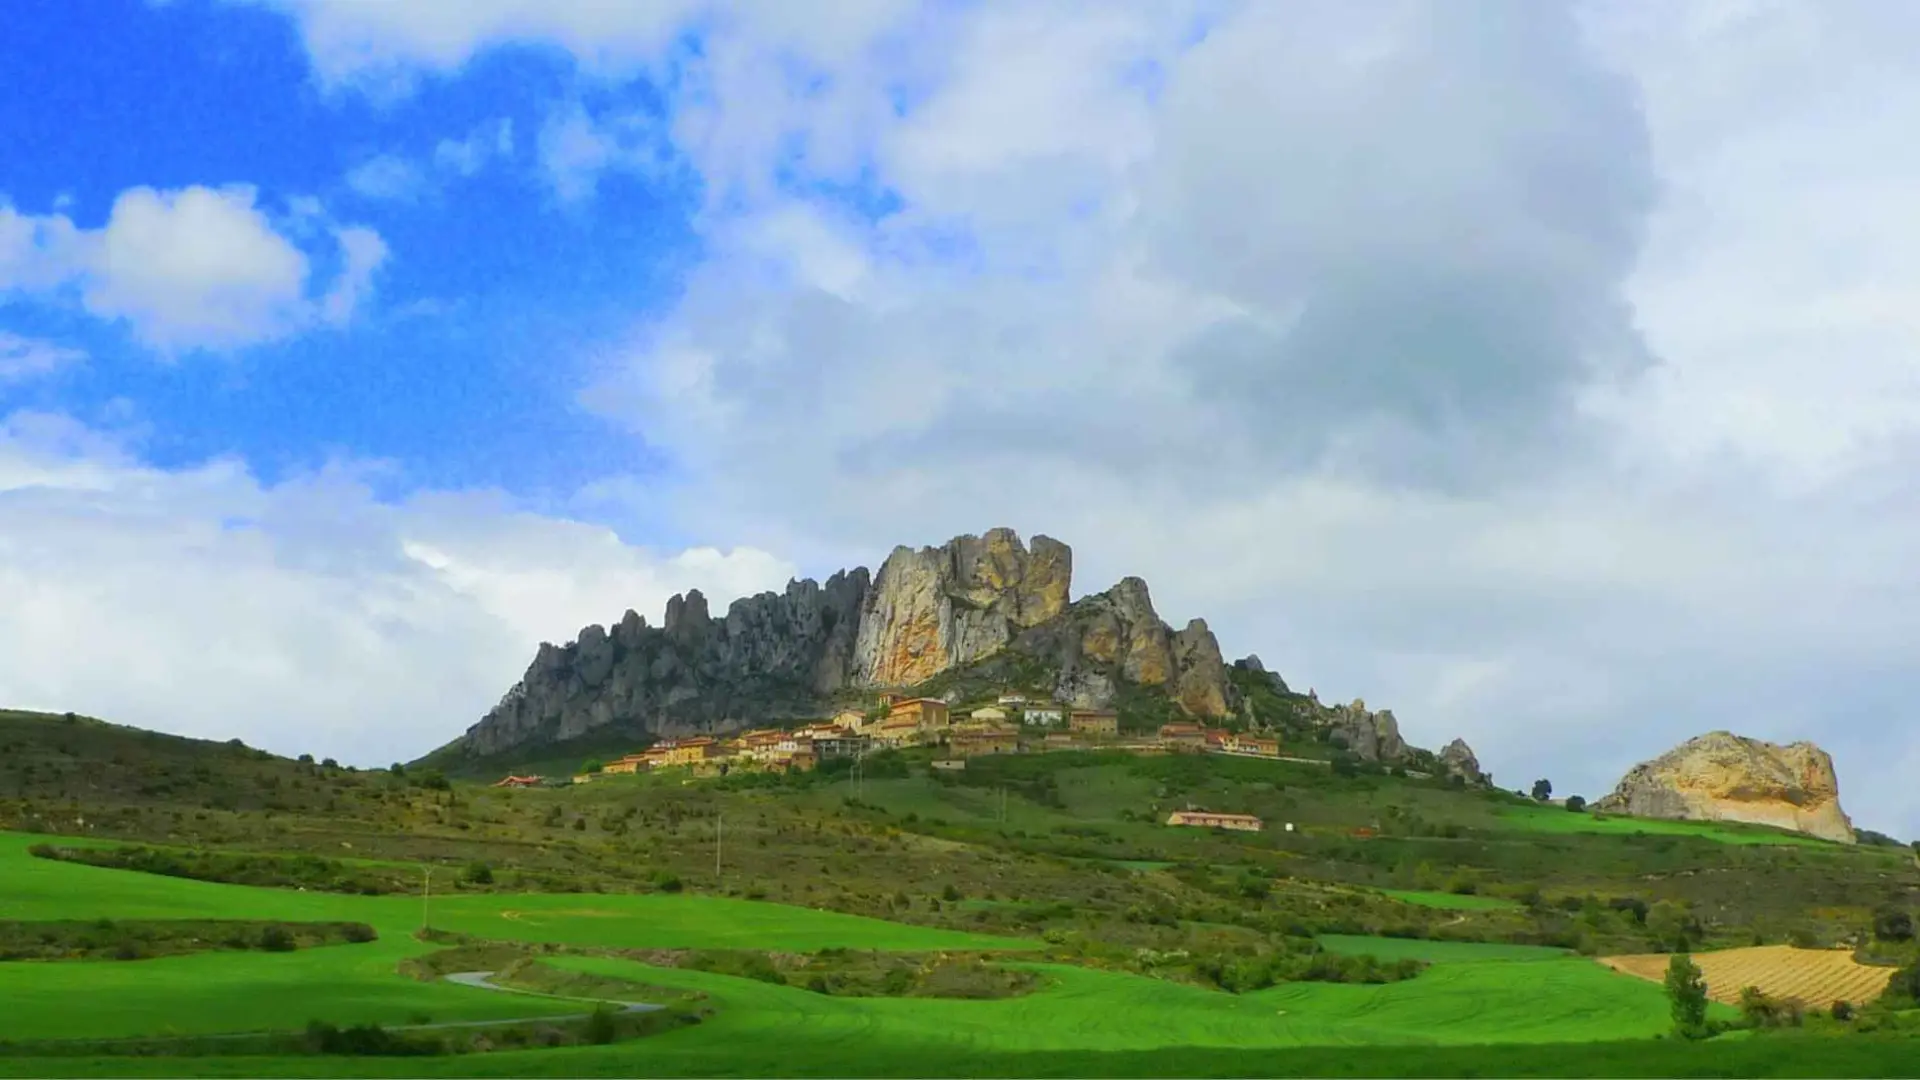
<point x="426" y="896"/>
<point x="716" y="845"/>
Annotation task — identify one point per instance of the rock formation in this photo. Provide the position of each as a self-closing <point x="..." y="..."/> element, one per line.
<point x="928" y="612"/>
<point x="942" y="607"/>
<point x="1371" y="736"/>
<point x="1721" y="776"/>
<point x="1458" y="760"/>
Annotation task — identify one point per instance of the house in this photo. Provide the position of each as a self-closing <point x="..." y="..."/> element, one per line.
<point x="928" y="714"/>
<point x="1094" y="722"/>
<point x="518" y="782"/>
<point x="690" y="751"/>
<point x="1183" y="736"/>
<point x="1043" y="715"/>
<point x="1013" y="701"/>
<point x="841" y="743"/>
<point x="630" y="764"/>
<point x="1218" y="739"/>
<point x="976" y="741"/>
<point x="583" y="778"/>
<point x="992" y="714"/>
<point x="1062" y="740"/>
<point x="1252" y="744"/>
<point x="888" y="700"/>
<point x="898" y="732"/>
<point x="851" y="719"/>
<point x="1203" y="819"/>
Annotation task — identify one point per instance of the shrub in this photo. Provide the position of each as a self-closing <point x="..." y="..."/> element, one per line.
<point x="1576" y="804"/>
<point x="1542" y="790"/>
<point x="276" y="939"/>
<point x="477" y="873"/>
<point x="1843" y="1011"/>
<point x="359" y="933"/>
<point x="667" y="881"/>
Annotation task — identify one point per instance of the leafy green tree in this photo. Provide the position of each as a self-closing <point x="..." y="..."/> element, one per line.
<point x="592" y="765"/>
<point x="1542" y="790"/>
<point x="1576" y="804"/>
<point x="1671" y="925"/>
<point x="478" y="873"/>
<point x="1687" y="996"/>
<point x="1892" y="924"/>
<point x="397" y="769"/>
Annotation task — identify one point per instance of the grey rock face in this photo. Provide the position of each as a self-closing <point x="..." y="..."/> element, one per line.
<point x="1458" y="760"/>
<point x="772" y="656"/>
<point x="1371" y="736"/>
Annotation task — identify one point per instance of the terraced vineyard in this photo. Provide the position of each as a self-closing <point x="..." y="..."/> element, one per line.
<point x="1817" y="977"/>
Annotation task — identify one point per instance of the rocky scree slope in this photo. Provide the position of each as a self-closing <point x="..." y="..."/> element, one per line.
<point x="1721" y="776"/>
<point x="970" y="616"/>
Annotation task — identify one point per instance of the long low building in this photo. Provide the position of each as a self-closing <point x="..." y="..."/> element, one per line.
<point x="1203" y="819"/>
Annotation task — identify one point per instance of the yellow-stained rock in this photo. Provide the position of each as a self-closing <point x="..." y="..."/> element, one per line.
<point x="1721" y="776"/>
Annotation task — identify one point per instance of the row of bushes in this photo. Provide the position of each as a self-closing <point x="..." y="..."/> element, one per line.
<point x="142" y="939"/>
<point x="286" y="871"/>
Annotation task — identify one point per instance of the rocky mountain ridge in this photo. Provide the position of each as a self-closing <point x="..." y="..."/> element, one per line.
<point x="967" y="616"/>
<point x="1721" y="776"/>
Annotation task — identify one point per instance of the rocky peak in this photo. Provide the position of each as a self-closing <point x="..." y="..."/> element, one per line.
<point x="942" y="607"/>
<point x="1721" y="776"/>
<point x="687" y="614"/>
<point x="1458" y="760"/>
<point x="1370" y="736"/>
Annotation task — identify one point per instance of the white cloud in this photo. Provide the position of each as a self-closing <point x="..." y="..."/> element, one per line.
<point x="303" y="616"/>
<point x="192" y="268"/>
<point x="468" y="156"/>
<point x="23" y="358"/>
<point x="386" y="176"/>
<point x="1547" y="380"/>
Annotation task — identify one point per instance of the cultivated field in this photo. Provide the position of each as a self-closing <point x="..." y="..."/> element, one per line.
<point x="1817" y="977"/>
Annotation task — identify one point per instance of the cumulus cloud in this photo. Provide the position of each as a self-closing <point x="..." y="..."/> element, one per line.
<point x="191" y="268"/>
<point x="467" y="156"/>
<point x="386" y="176"/>
<point x="304" y="616"/>
<point x="1544" y="378"/>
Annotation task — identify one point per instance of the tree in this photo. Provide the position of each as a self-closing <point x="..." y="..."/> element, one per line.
<point x="305" y="759"/>
<point x="1542" y="790"/>
<point x="397" y="769"/>
<point x="329" y="763"/>
<point x="1671" y="925"/>
<point x="1576" y="804"/>
<point x="1892" y="924"/>
<point x="592" y="765"/>
<point x="478" y="873"/>
<point x="1687" y="996"/>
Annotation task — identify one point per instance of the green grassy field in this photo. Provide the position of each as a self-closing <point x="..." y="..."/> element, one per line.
<point x="1450" y="901"/>
<point x="1558" y="820"/>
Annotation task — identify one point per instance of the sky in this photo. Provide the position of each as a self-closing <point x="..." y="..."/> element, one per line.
<point x="1548" y="373"/>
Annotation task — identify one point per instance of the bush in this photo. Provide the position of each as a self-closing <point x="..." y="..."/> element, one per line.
<point x="276" y="939"/>
<point x="359" y="933"/>
<point x="1843" y="1011"/>
<point x="477" y="873"/>
<point x="1576" y="804"/>
<point x="667" y="881"/>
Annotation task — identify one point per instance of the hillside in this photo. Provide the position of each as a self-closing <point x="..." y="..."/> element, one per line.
<point x="1390" y="905"/>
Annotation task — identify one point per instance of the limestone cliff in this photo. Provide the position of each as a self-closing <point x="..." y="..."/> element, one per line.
<point x="1721" y="776"/>
<point x="942" y="607"/>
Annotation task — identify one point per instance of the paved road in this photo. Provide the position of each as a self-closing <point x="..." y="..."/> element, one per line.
<point x="483" y="980"/>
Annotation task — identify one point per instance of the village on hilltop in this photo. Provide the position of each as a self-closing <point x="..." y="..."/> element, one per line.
<point x="1012" y="725"/>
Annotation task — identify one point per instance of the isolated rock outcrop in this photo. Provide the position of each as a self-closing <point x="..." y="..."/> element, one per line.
<point x="1721" y="776"/>
<point x="1457" y="760"/>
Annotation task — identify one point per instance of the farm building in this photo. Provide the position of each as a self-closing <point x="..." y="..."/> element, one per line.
<point x="1094" y="722"/>
<point x="991" y="714"/>
<point x="1013" y="701"/>
<point x="1202" y="819"/>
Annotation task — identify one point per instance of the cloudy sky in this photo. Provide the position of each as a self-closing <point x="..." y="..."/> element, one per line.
<point x="1545" y="373"/>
